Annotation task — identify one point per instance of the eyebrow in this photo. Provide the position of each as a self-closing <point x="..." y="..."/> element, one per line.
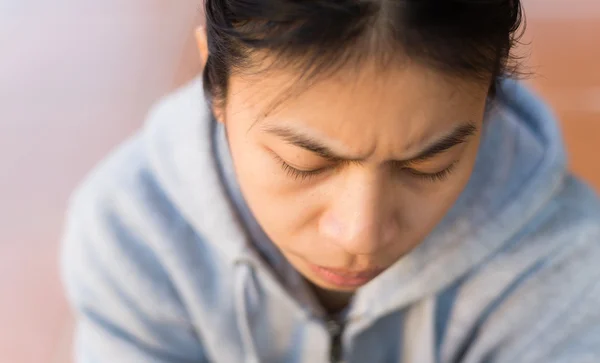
<point x="457" y="136"/>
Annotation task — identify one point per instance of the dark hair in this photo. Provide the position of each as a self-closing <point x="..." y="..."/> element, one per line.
<point x="467" y="38"/>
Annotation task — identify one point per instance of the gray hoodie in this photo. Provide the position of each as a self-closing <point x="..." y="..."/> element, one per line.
<point x="164" y="262"/>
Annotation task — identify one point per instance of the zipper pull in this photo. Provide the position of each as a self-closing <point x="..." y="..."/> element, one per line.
<point x="335" y="330"/>
<point x="333" y="327"/>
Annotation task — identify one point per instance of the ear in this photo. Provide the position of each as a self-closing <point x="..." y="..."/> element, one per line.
<point x="202" y="45"/>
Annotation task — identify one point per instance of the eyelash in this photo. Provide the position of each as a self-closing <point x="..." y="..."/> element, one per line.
<point x="299" y="174"/>
<point x="435" y="177"/>
<point x="303" y="175"/>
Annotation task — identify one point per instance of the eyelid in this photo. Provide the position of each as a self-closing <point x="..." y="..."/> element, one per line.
<point x="436" y="176"/>
<point x="299" y="173"/>
<point x="282" y="160"/>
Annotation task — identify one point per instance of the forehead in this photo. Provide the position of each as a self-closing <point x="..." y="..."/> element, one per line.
<point x="391" y="109"/>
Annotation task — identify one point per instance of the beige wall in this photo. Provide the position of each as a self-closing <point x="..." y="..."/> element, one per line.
<point x="76" y="77"/>
<point x="565" y="45"/>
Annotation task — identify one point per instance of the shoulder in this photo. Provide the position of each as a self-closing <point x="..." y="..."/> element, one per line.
<point x="124" y="212"/>
<point x="113" y="243"/>
<point x="122" y="223"/>
<point x="144" y="218"/>
<point x="578" y="200"/>
<point x="121" y="206"/>
<point x="572" y="218"/>
<point x="568" y="270"/>
<point x="121" y="193"/>
<point x="560" y="246"/>
<point x="134" y="193"/>
<point x="542" y="290"/>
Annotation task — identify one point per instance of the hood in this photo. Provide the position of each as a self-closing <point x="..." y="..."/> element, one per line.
<point x="520" y="166"/>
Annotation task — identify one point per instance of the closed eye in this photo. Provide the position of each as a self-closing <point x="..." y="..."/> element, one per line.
<point x="433" y="177"/>
<point x="298" y="174"/>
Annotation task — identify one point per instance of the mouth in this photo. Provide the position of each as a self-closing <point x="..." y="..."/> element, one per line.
<point x="345" y="278"/>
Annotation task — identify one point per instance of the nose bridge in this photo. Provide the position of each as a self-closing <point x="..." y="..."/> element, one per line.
<point x="358" y="216"/>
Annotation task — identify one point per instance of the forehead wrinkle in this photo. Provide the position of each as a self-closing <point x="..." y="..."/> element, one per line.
<point x="301" y="135"/>
<point x="415" y="134"/>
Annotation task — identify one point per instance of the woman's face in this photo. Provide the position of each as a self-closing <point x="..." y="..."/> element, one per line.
<point x="350" y="174"/>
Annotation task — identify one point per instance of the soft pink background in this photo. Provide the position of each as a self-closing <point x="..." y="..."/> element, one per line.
<point x="76" y="77"/>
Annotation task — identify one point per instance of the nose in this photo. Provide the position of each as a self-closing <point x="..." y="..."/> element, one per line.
<point x="360" y="218"/>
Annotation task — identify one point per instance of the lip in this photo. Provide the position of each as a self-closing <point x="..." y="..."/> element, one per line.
<point x="345" y="278"/>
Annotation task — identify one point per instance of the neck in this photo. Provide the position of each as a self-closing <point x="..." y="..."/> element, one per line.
<point x="333" y="301"/>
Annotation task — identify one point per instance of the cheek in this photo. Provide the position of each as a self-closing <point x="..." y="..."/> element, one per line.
<point x="282" y="206"/>
<point x="423" y="209"/>
<point x="252" y="164"/>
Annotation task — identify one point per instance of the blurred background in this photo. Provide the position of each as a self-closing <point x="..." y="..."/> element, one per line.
<point x="77" y="77"/>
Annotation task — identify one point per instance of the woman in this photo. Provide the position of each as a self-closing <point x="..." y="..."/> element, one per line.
<point x="356" y="181"/>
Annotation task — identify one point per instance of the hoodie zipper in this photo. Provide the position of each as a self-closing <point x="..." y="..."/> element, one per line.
<point x="335" y="330"/>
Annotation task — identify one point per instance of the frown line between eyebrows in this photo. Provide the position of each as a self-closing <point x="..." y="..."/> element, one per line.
<point x="458" y="135"/>
<point x="306" y="142"/>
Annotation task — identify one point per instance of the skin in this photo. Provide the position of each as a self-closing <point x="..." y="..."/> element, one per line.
<point x="373" y="199"/>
